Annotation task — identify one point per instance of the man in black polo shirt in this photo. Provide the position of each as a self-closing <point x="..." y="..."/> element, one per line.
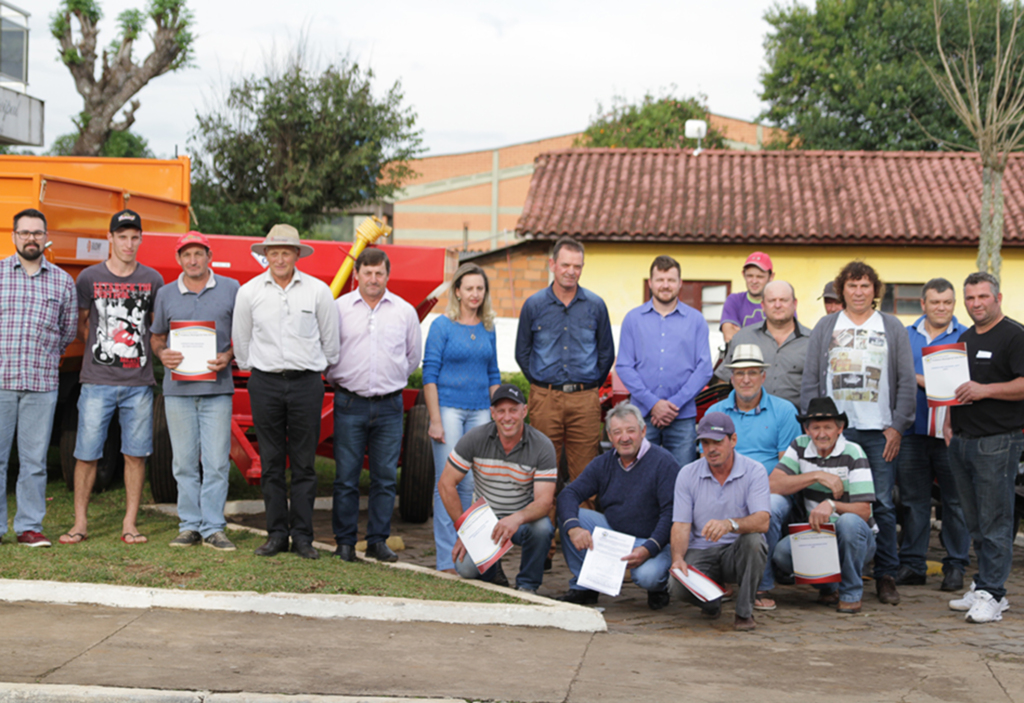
<point x="985" y="443"/>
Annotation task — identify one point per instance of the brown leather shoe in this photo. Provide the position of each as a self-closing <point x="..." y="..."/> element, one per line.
<point x="848" y="608"/>
<point x="830" y="598"/>
<point x="744" y="624"/>
<point x="886" y="589"/>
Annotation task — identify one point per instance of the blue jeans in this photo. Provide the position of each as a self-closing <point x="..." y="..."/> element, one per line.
<point x="535" y="540"/>
<point x="883" y="473"/>
<point x="652" y="575"/>
<point x="679" y="438"/>
<point x="200" y="429"/>
<point x="32" y="414"/>
<point x="364" y="426"/>
<point x="96" y="405"/>
<point x="856" y="544"/>
<point x="985" y="470"/>
<point x="782" y="507"/>
<point x="456" y="422"/>
<point x="923" y="459"/>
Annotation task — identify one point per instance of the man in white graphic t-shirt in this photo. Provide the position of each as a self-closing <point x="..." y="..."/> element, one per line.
<point x="862" y="359"/>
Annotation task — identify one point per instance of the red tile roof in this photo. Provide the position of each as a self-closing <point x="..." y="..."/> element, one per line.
<point x="769" y="197"/>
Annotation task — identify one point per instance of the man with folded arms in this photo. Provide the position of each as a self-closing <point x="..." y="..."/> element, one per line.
<point x="633" y="483"/>
<point x="833" y="477"/>
<point x="720" y="512"/>
<point x="514" y="470"/>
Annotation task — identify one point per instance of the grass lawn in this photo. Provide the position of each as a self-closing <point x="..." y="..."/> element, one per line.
<point x="103" y="558"/>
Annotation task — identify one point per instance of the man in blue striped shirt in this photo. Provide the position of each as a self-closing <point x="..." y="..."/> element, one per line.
<point x="38" y="319"/>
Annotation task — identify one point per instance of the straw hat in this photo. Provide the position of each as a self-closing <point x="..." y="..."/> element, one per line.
<point x="282" y="236"/>
<point x="747" y="356"/>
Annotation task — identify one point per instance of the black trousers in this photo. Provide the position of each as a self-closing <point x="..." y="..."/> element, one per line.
<point x="286" y="417"/>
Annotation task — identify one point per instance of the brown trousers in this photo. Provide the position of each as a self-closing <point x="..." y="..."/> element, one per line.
<point x="569" y="420"/>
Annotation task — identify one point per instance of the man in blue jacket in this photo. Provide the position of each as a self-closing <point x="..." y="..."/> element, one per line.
<point x="924" y="457"/>
<point x="634" y="484"/>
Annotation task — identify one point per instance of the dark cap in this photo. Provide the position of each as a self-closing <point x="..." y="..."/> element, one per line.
<point x="125" y="218"/>
<point x="507" y="391"/>
<point x="830" y="292"/>
<point x="715" y="426"/>
<point x="823" y="408"/>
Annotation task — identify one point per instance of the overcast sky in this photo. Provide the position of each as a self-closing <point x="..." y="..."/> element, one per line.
<point x="478" y="74"/>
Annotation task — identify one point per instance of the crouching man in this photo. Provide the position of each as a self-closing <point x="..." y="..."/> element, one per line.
<point x="720" y="513"/>
<point x="514" y="469"/>
<point x="833" y="477"/>
<point x="633" y="483"/>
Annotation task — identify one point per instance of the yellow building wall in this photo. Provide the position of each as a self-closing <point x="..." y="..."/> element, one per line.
<point x="616" y="270"/>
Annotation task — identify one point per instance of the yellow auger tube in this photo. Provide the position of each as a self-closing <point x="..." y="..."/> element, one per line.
<point x="369" y="231"/>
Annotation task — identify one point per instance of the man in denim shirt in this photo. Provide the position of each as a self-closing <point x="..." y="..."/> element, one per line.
<point x="564" y="347"/>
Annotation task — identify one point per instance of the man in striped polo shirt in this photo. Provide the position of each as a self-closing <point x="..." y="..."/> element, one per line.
<point x="515" y="470"/>
<point x="833" y="477"/>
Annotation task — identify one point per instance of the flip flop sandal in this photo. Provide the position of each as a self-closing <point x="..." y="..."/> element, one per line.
<point x="764" y="598"/>
<point x="135" y="539"/>
<point x="72" y="538"/>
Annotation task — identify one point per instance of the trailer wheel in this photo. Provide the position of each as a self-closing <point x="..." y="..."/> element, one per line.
<point x="110" y="465"/>
<point x="161" y="472"/>
<point x="416" y="487"/>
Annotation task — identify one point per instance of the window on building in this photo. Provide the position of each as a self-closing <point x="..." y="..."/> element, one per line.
<point x="706" y="296"/>
<point x="902" y="298"/>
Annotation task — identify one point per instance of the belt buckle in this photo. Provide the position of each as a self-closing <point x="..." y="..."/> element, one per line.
<point x="568" y="387"/>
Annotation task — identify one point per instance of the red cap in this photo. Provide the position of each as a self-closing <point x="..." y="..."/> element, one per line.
<point x="760" y="260"/>
<point x="191" y="238"/>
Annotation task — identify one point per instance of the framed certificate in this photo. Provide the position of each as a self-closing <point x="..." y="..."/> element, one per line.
<point x="815" y="554"/>
<point x="197" y="342"/>
<point x="945" y="369"/>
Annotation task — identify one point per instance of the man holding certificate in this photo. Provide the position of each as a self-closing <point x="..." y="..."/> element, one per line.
<point x="514" y="470"/>
<point x="191" y="335"/>
<point x="633" y="483"/>
<point x="833" y="477"/>
<point x="985" y="442"/>
<point x="720" y="512"/>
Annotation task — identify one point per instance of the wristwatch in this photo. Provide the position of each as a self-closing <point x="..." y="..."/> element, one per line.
<point x="833" y="504"/>
<point x="735" y="525"/>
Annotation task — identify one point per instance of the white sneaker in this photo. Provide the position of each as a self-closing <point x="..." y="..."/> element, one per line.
<point x="964" y="604"/>
<point x="986" y="608"/>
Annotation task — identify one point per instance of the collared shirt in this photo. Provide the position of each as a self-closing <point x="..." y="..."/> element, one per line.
<point x="664" y="357"/>
<point x="928" y="421"/>
<point x="847" y="460"/>
<point x="505" y="480"/>
<point x="38" y="319"/>
<point x="699" y="496"/>
<point x="294" y="329"/>
<point x="215" y="302"/>
<point x="559" y="343"/>
<point x="764" y="432"/>
<point x="783" y="377"/>
<point x="644" y="446"/>
<point x="380" y="346"/>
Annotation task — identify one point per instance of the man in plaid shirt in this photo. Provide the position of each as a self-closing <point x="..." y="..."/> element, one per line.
<point x="38" y="319"/>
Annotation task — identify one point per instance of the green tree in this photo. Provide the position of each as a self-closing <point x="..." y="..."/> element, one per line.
<point x="653" y="123"/>
<point x="293" y="144"/>
<point x="121" y="77"/>
<point x="126" y="144"/>
<point x="854" y="74"/>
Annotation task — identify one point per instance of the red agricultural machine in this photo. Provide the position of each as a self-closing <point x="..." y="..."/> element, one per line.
<point x="78" y="195"/>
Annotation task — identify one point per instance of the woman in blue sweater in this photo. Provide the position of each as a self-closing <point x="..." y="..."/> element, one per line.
<point x="460" y="371"/>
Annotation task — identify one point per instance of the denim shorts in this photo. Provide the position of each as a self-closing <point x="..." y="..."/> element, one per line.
<point x="96" y="406"/>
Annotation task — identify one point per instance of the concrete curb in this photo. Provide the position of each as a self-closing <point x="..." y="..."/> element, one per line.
<point x="560" y="615"/>
<point x="53" y="693"/>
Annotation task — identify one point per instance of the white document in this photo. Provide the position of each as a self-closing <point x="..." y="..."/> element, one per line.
<point x="698" y="584"/>
<point x="197" y="342"/>
<point x="945" y="369"/>
<point x="603" y="568"/>
<point x="475" y="527"/>
<point x="815" y="554"/>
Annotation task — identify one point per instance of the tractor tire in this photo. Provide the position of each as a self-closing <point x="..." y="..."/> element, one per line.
<point x="416" y="487"/>
<point x="110" y="465"/>
<point x="161" y="471"/>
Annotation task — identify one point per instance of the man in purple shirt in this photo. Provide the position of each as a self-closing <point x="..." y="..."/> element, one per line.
<point x="720" y="511"/>
<point x="742" y="309"/>
<point x="665" y="360"/>
<point x="381" y="344"/>
<point x="38" y="319"/>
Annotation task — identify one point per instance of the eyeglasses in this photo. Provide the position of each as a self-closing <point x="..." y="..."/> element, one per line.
<point x="37" y="234"/>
